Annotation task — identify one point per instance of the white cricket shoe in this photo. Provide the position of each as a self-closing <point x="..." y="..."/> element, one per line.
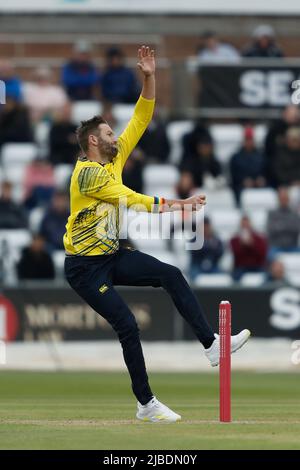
<point x="237" y="341"/>
<point x="156" y="412"/>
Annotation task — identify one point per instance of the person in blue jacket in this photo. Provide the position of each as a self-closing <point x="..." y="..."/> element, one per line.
<point x="119" y="84"/>
<point x="80" y="76"/>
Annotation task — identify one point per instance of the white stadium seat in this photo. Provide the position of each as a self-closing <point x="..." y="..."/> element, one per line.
<point x="41" y="133"/>
<point x="175" y="132"/>
<point x="294" y="279"/>
<point x="35" y="218"/>
<point x="11" y="244"/>
<point x="83" y="110"/>
<point x="17" y="154"/>
<point x="160" y="180"/>
<point x="258" y="219"/>
<point x="253" y="279"/>
<point x="58" y="257"/>
<point x="226" y="262"/>
<point x="123" y="113"/>
<point x="62" y="175"/>
<point x="227" y="140"/>
<point x="264" y="198"/>
<point x="15" y="158"/>
<point x="217" y="198"/>
<point x="213" y="280"/>
<point x="291" y="262"/>
<point x="229" y="137"/>
<point x="225" y="223"/>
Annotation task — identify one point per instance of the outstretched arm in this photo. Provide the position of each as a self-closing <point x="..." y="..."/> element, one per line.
<point x="147" y="66"/>
<point x="144" y="108"/>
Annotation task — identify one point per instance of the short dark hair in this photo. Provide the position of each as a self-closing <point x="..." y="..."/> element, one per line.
<point x="86" y="128"/>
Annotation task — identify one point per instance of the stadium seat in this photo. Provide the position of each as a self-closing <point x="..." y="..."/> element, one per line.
<point x="41" y="133"/>
<point x="122" y="113"/>
<point x="258" y="219"/>
<point x="217" y="198"/>
<point x="35" y="218"/>
<point x="294" y="279"/>
<point x="253" y="279"/>
<point x="228" y="138"/>
<point x="226" y="262"/>
<point x="160" y="180"/>
<point x="175" y="132"/>
<point x="15" y="158"/>
<point x="225" y="223"/>
<point x="213" y="280"/>
<point x="264" y="198"/>
<point x="294" y="192"/>
<point x="291" y="262"/>
<point x="82" y="110"/>
<point x="58" y="257"/>
<point x="62" y="175"/>
<point x="11" y="244"/>
<point x="15" y="154"/>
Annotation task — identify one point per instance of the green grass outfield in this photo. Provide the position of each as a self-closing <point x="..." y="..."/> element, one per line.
<point x="74" y="410"/>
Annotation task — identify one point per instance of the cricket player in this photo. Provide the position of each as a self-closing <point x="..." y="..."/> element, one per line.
<point x="95" y="263"/>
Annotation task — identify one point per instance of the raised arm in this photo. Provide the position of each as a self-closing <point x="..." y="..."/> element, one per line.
<point x="147" y="66"/>
<point x="144" y="108"/>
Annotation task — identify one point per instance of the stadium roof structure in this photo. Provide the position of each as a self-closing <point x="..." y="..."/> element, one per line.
<point x="230" y="7"/>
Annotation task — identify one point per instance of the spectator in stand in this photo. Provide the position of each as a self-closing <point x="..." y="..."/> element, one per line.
<point x="283" y="227"/>
<point x="133" y="171"/>
<point x="12" y="215"/>
<point x="286" y="160"/>
<point x="80" y="76"/>
<point x="276" y="273"/>
<point x="38" y="183"/>
<point x="264" y="44"/>
<point x="206" y="260"/>
<point x="35" y="262"/>
<point x="213" y="50"/>
<point x="155" y="142"/>
<point x="202" y="169"/>
<point x="15" y="125"/>
<point x="276" y="136"/>
<point x="13" y="85"/>
<point x="42" y="97"/>
<point x="53" y="225"/>
<point x="249" y="250"/>
<point x="118" y="83"/>
<point x="247" y="166"/>
<point x="62" y="138"/>
<point x="191" y="139"/>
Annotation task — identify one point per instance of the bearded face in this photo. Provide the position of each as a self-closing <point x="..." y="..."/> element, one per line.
<point x="107" y="143"/>
<point x="107" y="149"/>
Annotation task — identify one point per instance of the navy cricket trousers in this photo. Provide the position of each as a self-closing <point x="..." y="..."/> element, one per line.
<point x="94" y="278"/>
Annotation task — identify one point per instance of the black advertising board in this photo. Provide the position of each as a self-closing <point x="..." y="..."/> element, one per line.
<point x="33" y="314"/>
